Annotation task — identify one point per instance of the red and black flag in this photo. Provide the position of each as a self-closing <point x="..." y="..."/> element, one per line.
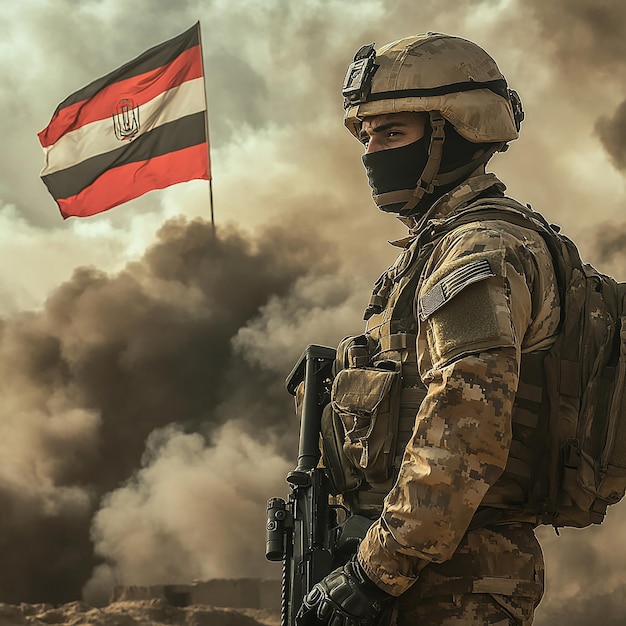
<point x="141" y="127"/>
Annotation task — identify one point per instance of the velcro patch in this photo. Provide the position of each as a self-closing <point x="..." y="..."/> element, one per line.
<point x="451" y="285"/>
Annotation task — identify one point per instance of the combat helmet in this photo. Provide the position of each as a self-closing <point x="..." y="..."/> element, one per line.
<point x="450" y="78"/>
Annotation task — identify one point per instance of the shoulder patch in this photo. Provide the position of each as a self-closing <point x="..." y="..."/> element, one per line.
<point x="451" y="285"/>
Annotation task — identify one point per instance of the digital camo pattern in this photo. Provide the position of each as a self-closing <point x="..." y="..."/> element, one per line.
<point x="495" y="576"/>
<point x="469" y="353"/>
<point x="478" y="609"/>
<point x="458" y="450"/>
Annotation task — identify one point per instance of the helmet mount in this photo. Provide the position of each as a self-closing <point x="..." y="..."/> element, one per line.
<point x="357" y="83"/>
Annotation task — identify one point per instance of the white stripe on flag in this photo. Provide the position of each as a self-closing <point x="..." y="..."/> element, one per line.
<point x="99" y="137"/>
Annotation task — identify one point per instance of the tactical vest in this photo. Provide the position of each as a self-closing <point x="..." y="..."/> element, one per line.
<point x="377" y="392"/>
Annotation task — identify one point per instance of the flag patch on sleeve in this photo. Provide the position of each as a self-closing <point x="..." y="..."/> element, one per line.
<point x="451" y="285"/>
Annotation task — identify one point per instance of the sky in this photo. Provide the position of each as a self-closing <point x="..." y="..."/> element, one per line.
<point x="144" y="420"/>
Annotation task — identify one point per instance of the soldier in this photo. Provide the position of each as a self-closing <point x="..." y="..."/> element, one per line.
<point x="435" y="416"/>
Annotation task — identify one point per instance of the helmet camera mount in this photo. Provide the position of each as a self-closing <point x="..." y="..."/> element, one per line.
<point x="357" y="83"/>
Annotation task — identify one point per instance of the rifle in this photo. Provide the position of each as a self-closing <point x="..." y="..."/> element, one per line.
<point x="303" y="531"/>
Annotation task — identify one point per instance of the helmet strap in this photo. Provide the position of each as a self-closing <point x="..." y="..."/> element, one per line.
<point x="426" y="183"/>
<point x="468" y="168"/>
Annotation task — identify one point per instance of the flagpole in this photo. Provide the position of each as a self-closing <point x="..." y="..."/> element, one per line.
<point x="211" y="202"/>
<point x="206" y="122"/>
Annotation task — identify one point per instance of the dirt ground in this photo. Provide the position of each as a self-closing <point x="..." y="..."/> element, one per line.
<point x="133" y="613"/>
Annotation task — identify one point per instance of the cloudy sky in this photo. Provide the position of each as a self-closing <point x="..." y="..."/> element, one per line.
<point x="142" y="360"/>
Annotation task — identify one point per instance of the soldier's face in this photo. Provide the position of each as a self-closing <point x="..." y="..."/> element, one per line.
<point x="393" y="130"/>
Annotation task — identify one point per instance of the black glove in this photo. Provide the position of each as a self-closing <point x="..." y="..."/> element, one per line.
<point x="346" y="597"/>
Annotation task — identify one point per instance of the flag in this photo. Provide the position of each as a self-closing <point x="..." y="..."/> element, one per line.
<point x="141" y="127"/>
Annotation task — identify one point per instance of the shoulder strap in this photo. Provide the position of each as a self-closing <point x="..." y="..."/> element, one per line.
<point x="503" y="209"/>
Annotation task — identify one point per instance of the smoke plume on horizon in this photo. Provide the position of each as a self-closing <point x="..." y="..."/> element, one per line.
<point x="94" y="382"/>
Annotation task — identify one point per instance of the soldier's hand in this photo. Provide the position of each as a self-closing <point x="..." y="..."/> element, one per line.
<point x="346" y="597"/>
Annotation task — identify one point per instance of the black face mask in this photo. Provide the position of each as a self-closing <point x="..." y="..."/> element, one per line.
<point x="396" y="169"/>
<point x="399" y="169"/>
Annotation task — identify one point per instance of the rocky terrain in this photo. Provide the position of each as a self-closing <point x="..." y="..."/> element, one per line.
<point x="155" y="612"/>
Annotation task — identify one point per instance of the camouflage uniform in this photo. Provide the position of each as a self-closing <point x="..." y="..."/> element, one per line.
<point x="436" y="421"/>
<point x="469" y="350"/>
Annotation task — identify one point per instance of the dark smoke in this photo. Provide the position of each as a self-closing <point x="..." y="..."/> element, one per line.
<point x="584" y="34"/>
<point x="608" y="244"/>
<point x="585" y="39"/>
<point x="610" y="241"/>
<point x="612" y="133"/>
<point x="111" y="359"/>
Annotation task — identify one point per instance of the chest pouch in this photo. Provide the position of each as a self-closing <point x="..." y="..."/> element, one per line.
<point x="366" y="401"/>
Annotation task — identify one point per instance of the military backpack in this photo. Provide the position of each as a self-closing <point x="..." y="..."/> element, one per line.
<point x="578" y="445"/>
<point x="585" y="377"/>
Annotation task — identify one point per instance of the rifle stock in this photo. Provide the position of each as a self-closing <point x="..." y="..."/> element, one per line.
<point x="303" y="531"/>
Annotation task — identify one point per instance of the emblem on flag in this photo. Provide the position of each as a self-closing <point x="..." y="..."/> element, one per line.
<point x="126" y="119"/>
<point x="157" y="106"/>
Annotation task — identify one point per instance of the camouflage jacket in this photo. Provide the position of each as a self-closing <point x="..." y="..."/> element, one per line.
<point x="487" y="294"/>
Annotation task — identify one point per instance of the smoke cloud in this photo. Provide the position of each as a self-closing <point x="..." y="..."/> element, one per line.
<point x="610" y="245"/>
<point x="584" y="34"/>
<point x="585" y="573"/>
<point x="128" y="387"/>
<point x="612" y="133"/>
<point x="93" y="382"/>
<point x="194" y="511"/>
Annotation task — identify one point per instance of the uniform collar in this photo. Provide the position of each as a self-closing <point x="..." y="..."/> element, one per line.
<point x="451" y="202"/>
